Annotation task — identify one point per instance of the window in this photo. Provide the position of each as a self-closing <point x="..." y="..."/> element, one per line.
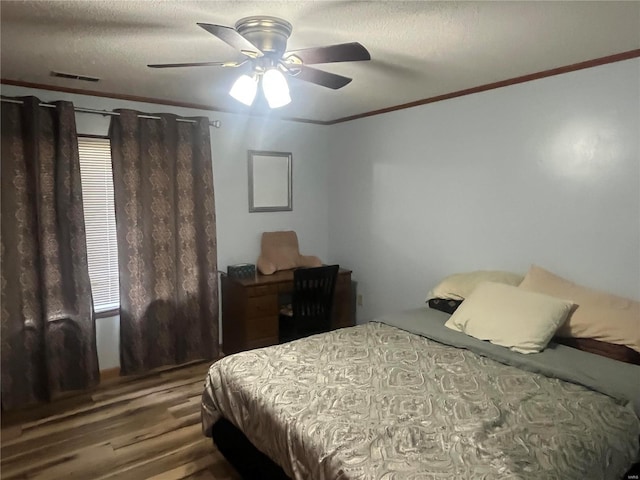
<point x="100" y="222"/>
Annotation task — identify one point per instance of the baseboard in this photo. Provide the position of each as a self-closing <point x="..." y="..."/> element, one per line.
<point x="109" y="374"/>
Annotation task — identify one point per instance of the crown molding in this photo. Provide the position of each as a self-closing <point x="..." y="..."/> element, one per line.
<point x="438" y="98"/>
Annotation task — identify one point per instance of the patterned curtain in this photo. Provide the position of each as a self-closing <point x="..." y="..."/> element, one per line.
<point x="48" y="325"/>
<point x="165" y="222"/>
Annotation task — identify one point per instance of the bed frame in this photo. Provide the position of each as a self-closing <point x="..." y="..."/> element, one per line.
<point x="250" y="462"/>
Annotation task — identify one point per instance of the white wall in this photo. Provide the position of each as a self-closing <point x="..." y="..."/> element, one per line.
<point x="545" y="172"/>
<point x="238" y="231"/>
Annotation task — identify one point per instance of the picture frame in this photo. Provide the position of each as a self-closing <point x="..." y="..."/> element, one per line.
<point x="270" y="181"/>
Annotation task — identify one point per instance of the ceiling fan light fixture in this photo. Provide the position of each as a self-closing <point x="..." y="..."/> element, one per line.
<point x="244" y="89"/>
<point x="276" y="89"/>
<point x="263" y="42"/>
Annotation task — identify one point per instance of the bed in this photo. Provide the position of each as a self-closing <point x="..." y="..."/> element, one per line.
<point x="406" y="398"/>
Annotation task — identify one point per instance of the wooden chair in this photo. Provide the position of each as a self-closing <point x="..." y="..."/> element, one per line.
<point x="311" y="303"/>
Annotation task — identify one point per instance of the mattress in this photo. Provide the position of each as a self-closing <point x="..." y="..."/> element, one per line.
<point x="398" y="399"/>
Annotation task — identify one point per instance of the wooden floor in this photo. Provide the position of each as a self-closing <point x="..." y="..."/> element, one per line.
<point x="144" y="428"/>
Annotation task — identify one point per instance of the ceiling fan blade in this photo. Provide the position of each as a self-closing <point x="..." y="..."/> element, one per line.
<point x="319" y="77"/>
<point x="232" y="37"/>
<point x="344" y="52"/>
<point x="196" y="64"/>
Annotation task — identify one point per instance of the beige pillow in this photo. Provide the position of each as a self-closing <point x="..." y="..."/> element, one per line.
<point x="598" y="315"/>
<point x="511" y="317"/>
<point x="280" y="251"/>
<point x="460" y="285"/>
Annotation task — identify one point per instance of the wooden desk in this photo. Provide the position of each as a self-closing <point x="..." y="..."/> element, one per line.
<point x="251" y="306"/>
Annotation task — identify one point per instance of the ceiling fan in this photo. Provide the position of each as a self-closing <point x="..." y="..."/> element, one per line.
<point x="263" y="41"/>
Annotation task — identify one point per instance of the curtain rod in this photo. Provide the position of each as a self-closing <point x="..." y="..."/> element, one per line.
<point x="213" y="123"/>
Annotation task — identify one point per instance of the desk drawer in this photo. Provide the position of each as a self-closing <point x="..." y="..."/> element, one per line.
<point x="260" y="290"/>
<point x="261" y="342"/>
<point x="262" y="327"/>
<point x="262" y="306"/>
<point x="342" y="321"/>
<point x="343" y="282"/>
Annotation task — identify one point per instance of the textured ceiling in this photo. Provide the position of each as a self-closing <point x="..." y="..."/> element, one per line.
<point x="419" y="49"/>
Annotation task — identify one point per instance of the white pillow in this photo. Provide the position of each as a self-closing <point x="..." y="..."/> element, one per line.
<point x="508" y="316"/>
<point x="460" y="285"/>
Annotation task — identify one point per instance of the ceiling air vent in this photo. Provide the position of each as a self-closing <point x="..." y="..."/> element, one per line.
<point x="73" y="76"/>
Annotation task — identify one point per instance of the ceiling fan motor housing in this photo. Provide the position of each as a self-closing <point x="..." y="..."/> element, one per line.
<point x="269" y="34"/>
<point x="263" y="41"/>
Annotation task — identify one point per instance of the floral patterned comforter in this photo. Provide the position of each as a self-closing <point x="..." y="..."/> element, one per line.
<point x="377" y="402"/>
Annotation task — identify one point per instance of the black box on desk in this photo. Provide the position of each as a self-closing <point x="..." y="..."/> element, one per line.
<point x="241" y="270"/>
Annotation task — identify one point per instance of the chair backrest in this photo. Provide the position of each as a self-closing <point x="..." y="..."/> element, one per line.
<point x="312" y="298"/>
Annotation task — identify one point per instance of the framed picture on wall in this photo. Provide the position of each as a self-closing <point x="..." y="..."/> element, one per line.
<point x="270" y="188"/>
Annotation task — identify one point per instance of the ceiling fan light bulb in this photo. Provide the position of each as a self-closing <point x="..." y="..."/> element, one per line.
<point x="276" y="89"/>
<point x="244" y="89"/>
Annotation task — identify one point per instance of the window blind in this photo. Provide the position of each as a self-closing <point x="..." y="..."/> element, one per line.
<point x="100" y="221"/>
